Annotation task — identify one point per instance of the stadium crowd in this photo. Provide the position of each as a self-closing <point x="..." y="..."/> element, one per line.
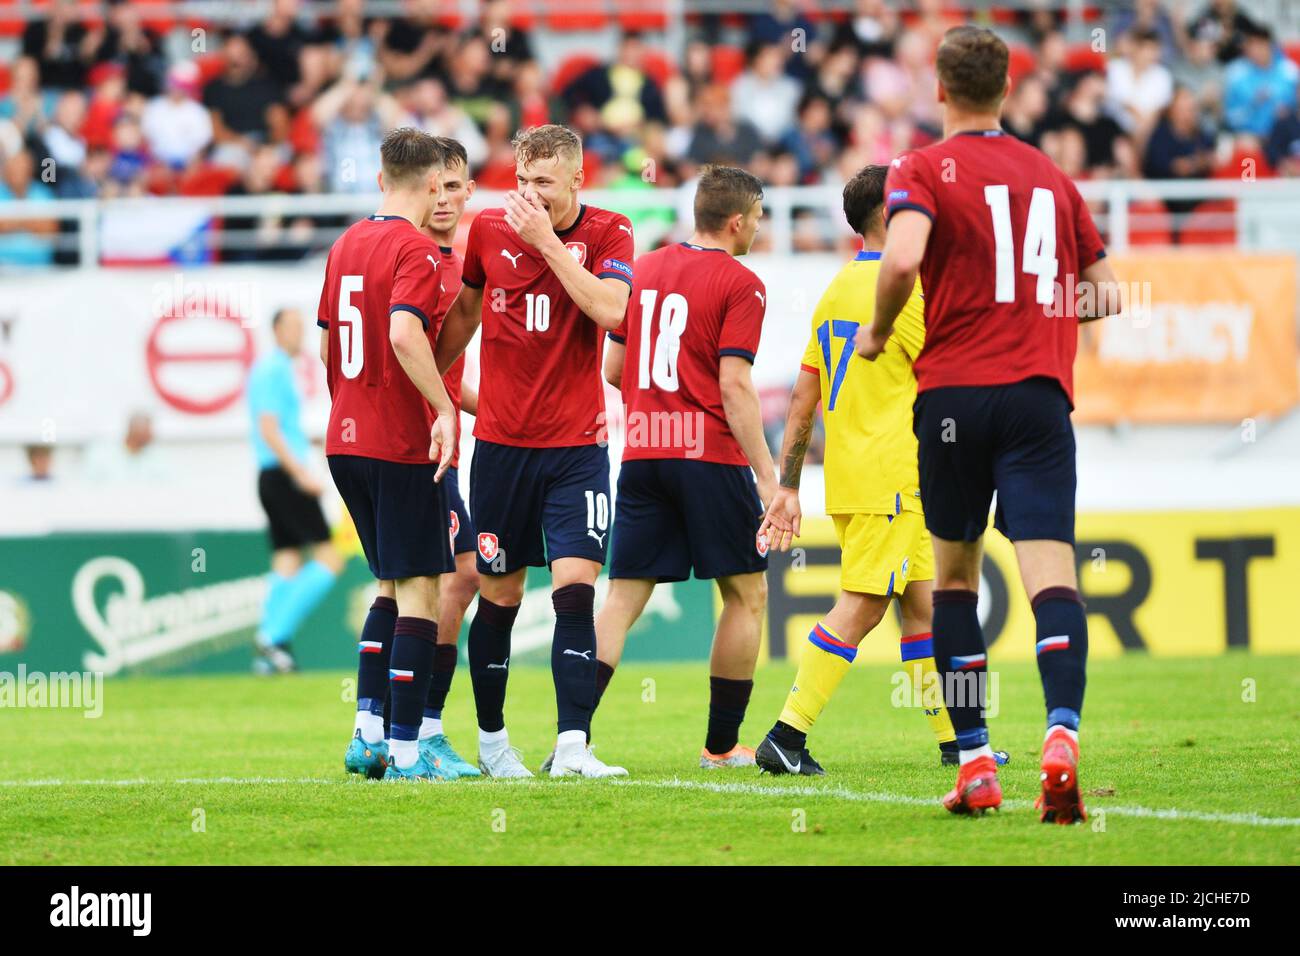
<point x="291" y="104"/>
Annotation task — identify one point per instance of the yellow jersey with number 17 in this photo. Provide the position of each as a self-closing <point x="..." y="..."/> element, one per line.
<point x="870" y="465"/>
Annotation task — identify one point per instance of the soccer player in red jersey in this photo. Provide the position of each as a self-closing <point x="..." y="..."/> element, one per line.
<point x="391" y="436"/>
<point x="544" y="275"/>
<point x="995" y="229"/>
<point x="687" y="497"/>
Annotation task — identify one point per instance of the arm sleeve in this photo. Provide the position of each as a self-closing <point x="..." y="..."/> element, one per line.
<point x="415" y="281"/>
<point x="471" y="271"/>
<point x="812" y="356"/>
<point x="1087" y="239"/>
<point x="742" y="323"/>
<point x="323" y="309"/>
<point x="613" y="255"/>
<point x="909" y="186"/>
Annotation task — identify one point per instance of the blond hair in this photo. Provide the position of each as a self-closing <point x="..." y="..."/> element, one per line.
<point x="547" y="142"/>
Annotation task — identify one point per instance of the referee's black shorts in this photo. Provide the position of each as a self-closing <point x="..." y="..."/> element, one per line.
<point x="295" y="517"/>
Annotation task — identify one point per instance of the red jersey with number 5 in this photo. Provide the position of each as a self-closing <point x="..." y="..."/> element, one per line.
<point x="690" y="307"/>
<point x="1010" y="239"/>
<point x="539" y="358"/>
<point x="380" y="265"/>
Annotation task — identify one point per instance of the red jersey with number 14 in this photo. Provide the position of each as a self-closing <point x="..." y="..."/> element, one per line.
<point x="380" y="265"/>
<point x="539" y="359"/>
<point x="690" y="307"/>
<point x="1010" y="239"/>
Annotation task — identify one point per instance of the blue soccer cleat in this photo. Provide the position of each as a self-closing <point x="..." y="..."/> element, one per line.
<point x="424" y="770"/>
<point x="364" y="758"/>
<point x="439" y="748"/>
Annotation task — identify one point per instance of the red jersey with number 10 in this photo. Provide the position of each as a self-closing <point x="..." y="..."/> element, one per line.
<point x="379" y="266"/>
<point x="690" y="307"/>
<point x="1010" y="239"/>
<point x="539" y="359"/>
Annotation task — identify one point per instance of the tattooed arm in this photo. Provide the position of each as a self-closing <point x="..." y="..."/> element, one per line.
<point x="781" y="522"/>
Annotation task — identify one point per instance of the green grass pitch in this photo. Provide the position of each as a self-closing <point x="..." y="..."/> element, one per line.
<point x="1178" y="768"/>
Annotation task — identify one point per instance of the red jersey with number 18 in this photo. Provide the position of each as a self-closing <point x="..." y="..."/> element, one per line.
<point x="1010" y="239"/>
<point x="690" y="307"/>
<point x="379" y="266"/>
<point x="539" y="359"/>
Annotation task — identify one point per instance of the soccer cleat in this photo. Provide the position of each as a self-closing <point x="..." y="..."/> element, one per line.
<point x="274" y="659"/>
<point x="772" y="758"/>
<point x="737" y="756"/>
<point x="1060" y="801"/>
<point x="583" y="763"/>
<point x="369" y="759"/>
<point x="423" y="770"/>
<point x="546" y="764"/>
<point x="1001" y="758"/>
<point x="439" y="748"/>
<point x="977" y="788"/>
<point x="505" y="764"/>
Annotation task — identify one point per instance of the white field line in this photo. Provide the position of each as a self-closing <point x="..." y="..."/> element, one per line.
<point x="675" y="783"/>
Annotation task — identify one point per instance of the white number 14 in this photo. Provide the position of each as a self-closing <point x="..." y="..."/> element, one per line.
<point x="1039" y="257"/>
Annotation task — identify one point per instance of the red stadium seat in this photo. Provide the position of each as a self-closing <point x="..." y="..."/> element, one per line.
<point x="1022" y="61"/>
<point x="659" y="66"/>
<point x="1211" y="223"/>
<point x="634" y="15"/>
<point x="1246" y="158"/>
<point x="159" y="23"/>
<point x="728" y="63"/>
<point x="579" y="15"/>
<point x="210" y="66"/>
<point x="1293" y="51"/>
<point x="570" y="68"/>
<point x="1149" y="224"/>
<point x="4" y="78"/>
<point x="1081" y="58"/>
<point x="11" y="25"/>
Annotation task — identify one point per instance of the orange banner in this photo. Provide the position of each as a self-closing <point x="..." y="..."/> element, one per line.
<point x="1206" y="338"/>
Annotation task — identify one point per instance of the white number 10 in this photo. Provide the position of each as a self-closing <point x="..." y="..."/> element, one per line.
<point x="1039" y="257"/>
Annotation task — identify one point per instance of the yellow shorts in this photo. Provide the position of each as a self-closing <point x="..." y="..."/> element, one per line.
<point x="879" y="554"/>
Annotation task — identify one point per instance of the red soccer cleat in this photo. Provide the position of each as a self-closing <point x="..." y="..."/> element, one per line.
<point x="1060" y="801"/>
<point x="977" y="788"/>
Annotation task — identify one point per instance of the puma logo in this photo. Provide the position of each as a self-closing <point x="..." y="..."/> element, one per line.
<point x="433" y="260"/>
<point x="504" y="665"/>
<point x="514" y="260"/>
<point x="627" y="229"/>
<point x="760" y="298"/>
<point x="585" y="655"/>
<point x="600" y="538"/>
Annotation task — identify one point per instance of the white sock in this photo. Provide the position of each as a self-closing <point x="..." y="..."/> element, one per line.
<point x="371" y="726"/>
<point x="1074" y="734"/>
<point x="403" y="753"/>
<point x="492" y="742"/>
<point x="430" y="727"/>
<point x="967" y="756"/>
<point x="570" y="741"/>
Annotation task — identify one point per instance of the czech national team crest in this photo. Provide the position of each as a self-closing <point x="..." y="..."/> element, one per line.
<point x="578" y="250"/>
<point x="453" y="524"/>
<point x="487" y="545"/>
<point x="760" y="545"/>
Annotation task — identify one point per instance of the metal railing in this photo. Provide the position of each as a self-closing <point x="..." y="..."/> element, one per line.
<point x="1255" y="215"/>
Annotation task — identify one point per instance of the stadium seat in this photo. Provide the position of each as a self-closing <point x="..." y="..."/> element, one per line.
<point x="1082" y="58"/>
<point x="4" y="78"/>
<point x="633" y="15"/>
<point x="570" y="68"/>
<point x="1022" y="61"/>
<point x="579" y="15"/>
<point x="159" y="23"/>
<point x="1246" y="155"/>
<point x="1149" y="224"/>
<point x="210" y="66"/>
<point x="728" y="63"/>
<point x="11" y="25"/>
<point x="1211" y="223"/>
<point x="659" y="66"/>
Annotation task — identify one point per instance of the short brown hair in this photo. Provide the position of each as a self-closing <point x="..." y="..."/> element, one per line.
<point x="723" y="192"/>
<point x="547" y="142"/>
<point x="972" y="67"/>
<point x="454" y="151"/>
<point x="408" y="154"/>
<point x="864" y="195"/>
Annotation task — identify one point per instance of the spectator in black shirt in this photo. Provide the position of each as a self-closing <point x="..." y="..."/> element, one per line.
<point x="1179" y="147"/>
<point x="62" y="46"/>
<point x="624" y="79"/>
<point x="242" y="100"/>
<point x="1225" y="25"/>
<point x="278" y="40"/>
<point x="1284" y="143"/>
<point x="1108" y="151"/>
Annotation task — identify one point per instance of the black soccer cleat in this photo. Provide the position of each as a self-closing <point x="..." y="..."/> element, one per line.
<point x="772" y="758"/>
<point x="949" y="754"/>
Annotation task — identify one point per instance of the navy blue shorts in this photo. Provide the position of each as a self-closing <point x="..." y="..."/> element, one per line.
<point x="676" y="515"/>
<point x="1016" y="439"/>
<point x="400" y="514"/>
<point x="534" y="505"/>
<point x="462" y="528"/>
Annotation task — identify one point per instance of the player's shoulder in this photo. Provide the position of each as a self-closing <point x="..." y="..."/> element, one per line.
<point x="741" y="274"/>
<point x="599" y="220"/>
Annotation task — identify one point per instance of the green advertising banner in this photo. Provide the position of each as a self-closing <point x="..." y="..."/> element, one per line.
<point x="125" y="603"/>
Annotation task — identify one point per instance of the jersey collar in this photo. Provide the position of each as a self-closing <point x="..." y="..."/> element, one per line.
<point x="982" y="132"/>
<point x="378" y="218"/>
<point x="866" y="256"/>
<point x="582" y="211"/>
<point x="446" y="250"/>
<point x="694" y="248"/>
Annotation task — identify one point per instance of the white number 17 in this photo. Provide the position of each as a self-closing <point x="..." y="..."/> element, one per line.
<point x="1039" y="257"/>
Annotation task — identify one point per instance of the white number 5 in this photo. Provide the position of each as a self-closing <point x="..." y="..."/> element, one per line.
<point x="351" y="351"/>
<point x="1039" y="257"/>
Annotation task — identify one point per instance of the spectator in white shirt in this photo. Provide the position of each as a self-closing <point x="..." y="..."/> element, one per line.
<point x="764" y="95"/>
<point x="1139" y="86"/>
<point x="176" y="126"/>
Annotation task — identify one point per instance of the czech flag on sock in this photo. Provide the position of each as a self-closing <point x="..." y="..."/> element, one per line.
<point x="407" y="676"/>
<point x="969" y="662"/>
<point x="371" y="647"/>
<point x="1060" y="642"/>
